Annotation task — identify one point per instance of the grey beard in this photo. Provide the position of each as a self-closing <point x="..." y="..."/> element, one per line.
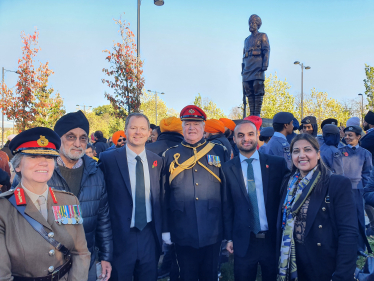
<point x="70" y="156"/>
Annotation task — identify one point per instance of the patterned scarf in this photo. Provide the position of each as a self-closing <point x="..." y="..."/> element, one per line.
<point x="295" y="198"/>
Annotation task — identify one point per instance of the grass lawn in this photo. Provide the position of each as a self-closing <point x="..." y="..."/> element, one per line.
<point x="228" y="274"/>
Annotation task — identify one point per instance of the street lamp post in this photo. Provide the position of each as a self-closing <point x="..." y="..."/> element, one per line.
<point x="156" y="102"/>
<point x="84" y="107"/>
<point x="2" y="95"/>
<point x="362" y="109"/>
<point x="302" y="81"/>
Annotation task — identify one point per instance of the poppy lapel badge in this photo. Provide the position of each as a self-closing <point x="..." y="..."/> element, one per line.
<point x="154" y="164"/>
<point x="267" y="166"/>
<point x="345" y="153"/>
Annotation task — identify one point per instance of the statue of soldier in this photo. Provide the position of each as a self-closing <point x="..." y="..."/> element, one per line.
<point x="255" y="62"/>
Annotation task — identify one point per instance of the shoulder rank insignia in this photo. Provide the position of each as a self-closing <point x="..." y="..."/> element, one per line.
<point x="214" y="160"/>
<point x="163" y="154"/>
<point x="224" y="147"/>
<point x="20" y="196"/>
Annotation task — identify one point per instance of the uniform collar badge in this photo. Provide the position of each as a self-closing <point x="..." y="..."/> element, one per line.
<point x="20" y="196"/>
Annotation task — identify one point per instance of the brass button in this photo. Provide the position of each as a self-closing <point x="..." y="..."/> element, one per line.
<point x="51" y="253"/>
<point x="197" y="183"/>
<point x="323" y="209"/>
<point x="51" y="269"/>
<point x="51" y="235"/>
<point x="197" y="198"/>
<point x="195" y="170"/>
<point x="320" y="226"/>
<point x="319" y="244"/>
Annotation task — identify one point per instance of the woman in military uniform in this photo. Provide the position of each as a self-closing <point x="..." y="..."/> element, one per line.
<point x="41" y="232"/>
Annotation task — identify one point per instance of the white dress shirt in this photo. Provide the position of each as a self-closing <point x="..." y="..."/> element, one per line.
<point x="259" y="188"/>
<point x="131" y="162"/>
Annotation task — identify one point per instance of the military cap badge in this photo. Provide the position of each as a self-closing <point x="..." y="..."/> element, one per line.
<point x="307" y="121"/>
<point x="191" y="111"/>
<point x="42" y="141"/>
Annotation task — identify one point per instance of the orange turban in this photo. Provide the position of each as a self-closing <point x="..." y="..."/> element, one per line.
<point x="228" y="123"/>
<point x="255" y="119"/>
<point x="117" y="135"/>
<point x="171" y="124"/>
<point x="214" y="126"/>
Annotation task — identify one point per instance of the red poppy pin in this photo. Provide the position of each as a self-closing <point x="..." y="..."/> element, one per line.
<point x="345" y="153"/>
<point x="154" y="164"/>
<point x="267" y="166"/>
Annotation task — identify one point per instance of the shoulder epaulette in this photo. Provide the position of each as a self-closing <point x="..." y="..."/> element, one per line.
<point x="163" y="154"/>
<point x="216" y="143"/>
<point x="62" y="191"/>
<point x="7" y="193"/>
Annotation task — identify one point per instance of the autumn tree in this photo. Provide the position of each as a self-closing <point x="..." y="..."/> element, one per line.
<point x="31" y="104"/>
<point x="210" y="108"/>
<point x="113" y="123"/>
<point x="369" y="85"/>
<point x="125" y="73"/>
<point x="148" y="108"/>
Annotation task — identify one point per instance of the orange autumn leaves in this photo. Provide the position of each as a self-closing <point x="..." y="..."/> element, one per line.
<point x="125" y="73"/>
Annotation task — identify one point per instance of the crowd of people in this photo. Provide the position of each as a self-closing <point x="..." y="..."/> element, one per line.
<point x="75" y="206"/>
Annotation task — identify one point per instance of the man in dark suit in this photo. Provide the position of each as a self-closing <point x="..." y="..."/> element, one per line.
<point x="253" y="182"/>
<point x="132" y="176"/>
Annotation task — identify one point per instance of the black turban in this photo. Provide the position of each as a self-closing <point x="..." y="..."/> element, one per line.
<point x="71" y="121"/>
<point x="369" y="118"/>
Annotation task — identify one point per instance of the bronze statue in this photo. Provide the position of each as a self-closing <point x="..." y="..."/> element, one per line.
<point x="255" y="62"/>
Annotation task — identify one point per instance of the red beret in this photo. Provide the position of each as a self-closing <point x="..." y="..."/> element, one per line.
<point x="192" y="112"/>
<point x="256" y="120"/>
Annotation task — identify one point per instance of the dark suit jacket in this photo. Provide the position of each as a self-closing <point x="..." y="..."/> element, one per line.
<point x="367" y="142"/>
<point x="331" y="232"/>
<point x="114" y="166"/>
<point x="237" y="206"/>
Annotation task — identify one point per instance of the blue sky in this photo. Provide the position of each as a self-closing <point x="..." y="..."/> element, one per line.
<point x="193" y="46"/>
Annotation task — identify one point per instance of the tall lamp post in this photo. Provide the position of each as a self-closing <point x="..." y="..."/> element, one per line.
<point x="156" y="102"/>
<point x="302" y="81"/>
<point x="2" y="95"/>
<point x="362" y="109"/>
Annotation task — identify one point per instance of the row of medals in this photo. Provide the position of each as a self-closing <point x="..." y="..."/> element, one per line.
<point x="214" y="160"/>
<point x="61" y="217"/>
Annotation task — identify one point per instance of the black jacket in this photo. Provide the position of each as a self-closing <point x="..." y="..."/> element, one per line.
<point x="95" y="211"/>
<point x="100" y="146"/>
<point x="7" y="150"/>
<point x="330" y="241"/>
<point x="237" y="207"/>
<point x="164" y="141"/>
<point x="367" y="142"/>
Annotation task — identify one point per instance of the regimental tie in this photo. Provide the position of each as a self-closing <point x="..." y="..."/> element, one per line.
<point x="255" y="219"/>
<point x="42" y="206"/>
<point x="140" y="209"/>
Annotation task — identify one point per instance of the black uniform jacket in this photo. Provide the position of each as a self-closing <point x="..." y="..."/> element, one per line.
<point x="330" y="238"/>
<point x="237" y="207"/>
<point x="192" y="202"/>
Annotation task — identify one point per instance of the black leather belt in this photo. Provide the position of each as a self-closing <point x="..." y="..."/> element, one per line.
<point x="56" y="275"/>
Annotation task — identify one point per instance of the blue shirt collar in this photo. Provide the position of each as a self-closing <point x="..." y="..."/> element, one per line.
<point x="255" y="156"/>
<point x="350" y="146"/>
<point x="279" y="135"/>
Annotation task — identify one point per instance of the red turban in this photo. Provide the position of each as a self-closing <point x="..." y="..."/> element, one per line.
<point x="214" y="126"/>
<point x="256" y="120"/>
<point x="117" y="135"/>
<point x="228" y="123"/>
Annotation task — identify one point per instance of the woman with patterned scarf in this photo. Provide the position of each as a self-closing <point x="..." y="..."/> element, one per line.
<point x="317" y="220"/>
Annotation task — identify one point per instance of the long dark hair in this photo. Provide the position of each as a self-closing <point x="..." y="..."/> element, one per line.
<point x="325" y="172"/>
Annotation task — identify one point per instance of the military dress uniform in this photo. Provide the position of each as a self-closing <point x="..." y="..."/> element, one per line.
<point x="357" y="163"/>
<point x="193" y="182"/>
<point x="43" y="244"/>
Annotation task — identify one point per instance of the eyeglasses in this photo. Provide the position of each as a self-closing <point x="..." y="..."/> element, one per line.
<point x="72" y="138"/>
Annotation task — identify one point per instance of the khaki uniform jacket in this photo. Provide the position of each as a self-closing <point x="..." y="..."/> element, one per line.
<point x="24" y="252"/>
